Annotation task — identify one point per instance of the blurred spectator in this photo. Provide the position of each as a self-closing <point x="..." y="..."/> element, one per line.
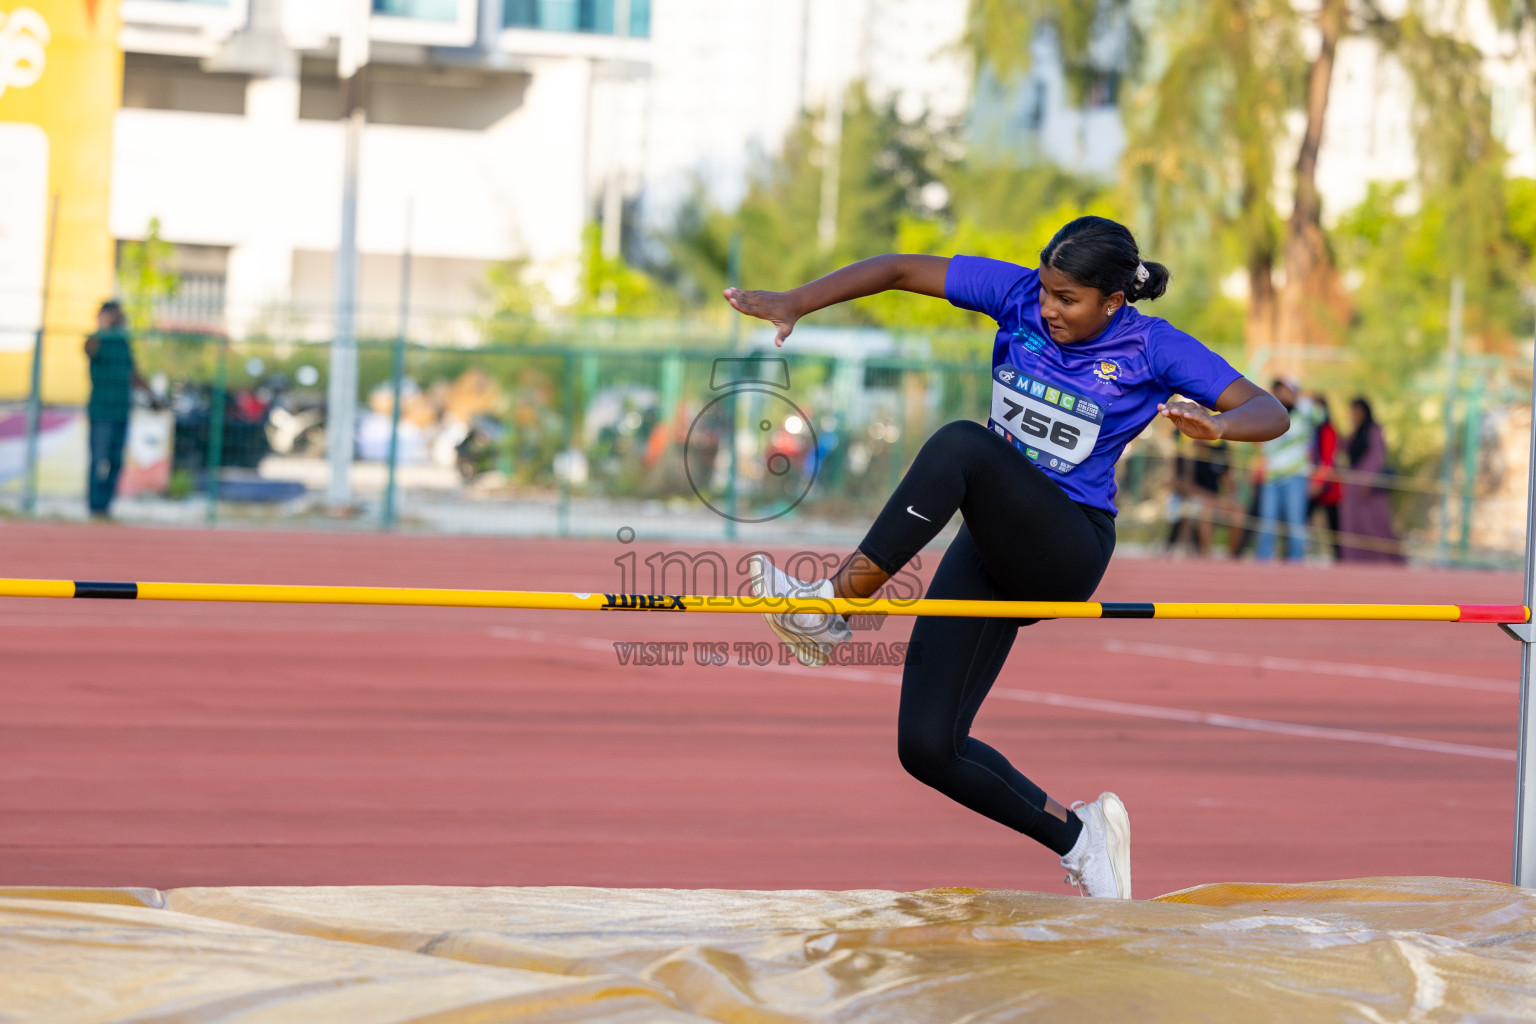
<point x="1202" y="477"/>
<point x="113" y="378"/>
<point x="1180" y="524"/>
<point x="1325" y="490"/>
<point x="1365" y="513"/>
<point x="1240" y="539"/>
<point x="1287" y="467"/>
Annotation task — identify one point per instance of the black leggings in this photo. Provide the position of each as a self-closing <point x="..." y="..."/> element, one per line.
<point x="1023" y="540"/>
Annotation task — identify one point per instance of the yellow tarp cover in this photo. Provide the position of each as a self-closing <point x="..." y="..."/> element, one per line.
<point x="1383" y="949"/>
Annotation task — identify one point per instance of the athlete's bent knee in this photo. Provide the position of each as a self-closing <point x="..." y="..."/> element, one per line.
<point x="959" y="437"/>
<point x="924" y="755"/>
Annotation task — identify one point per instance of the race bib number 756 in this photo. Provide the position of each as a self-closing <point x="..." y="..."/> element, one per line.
<point x="1053" y="427"/>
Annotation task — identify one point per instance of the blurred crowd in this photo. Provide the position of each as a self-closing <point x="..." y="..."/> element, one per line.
<point x="1312" y="487"/>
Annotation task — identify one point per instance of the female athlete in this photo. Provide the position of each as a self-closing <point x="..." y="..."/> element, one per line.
<point x="1077" y="371"/>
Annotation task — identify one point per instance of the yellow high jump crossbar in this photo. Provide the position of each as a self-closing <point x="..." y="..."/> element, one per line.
<point x="662" y="603"/>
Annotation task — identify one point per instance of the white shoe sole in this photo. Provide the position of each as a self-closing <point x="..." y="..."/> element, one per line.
<point x="807" y="650"/>
<point x="1117" y="827"/>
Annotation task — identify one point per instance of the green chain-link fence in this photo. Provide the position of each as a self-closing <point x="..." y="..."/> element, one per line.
<point x="601" y="426"/>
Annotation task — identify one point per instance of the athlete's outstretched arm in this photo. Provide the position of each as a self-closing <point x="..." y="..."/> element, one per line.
<point x="1245" y="412"/>
<point x="908" y="273"/>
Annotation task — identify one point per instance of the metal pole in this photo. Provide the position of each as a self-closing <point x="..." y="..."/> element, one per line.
<point x="35" y="393"/>
<point x="832" y="165"/>
<point x="398" y="373"/>
<point x="216" y="429"/>
<point x="733" y="274"/>
<point x="1524" y="872"/>
<point x="568" y="411"/>
<point x="1452" y="373"/>
<point x="1471" y="440"/>
<point x="613" y="184"/>
<point x="341" y="411"/>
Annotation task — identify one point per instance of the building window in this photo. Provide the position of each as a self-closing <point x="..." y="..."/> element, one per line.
<point x="416" y="96"/>
<point x="1104" y="90"/>
<point x="197" y="303"/>
<point x="154" y="82"/>
<point x="424" y="22"/>
<point x="221" y="15"/>
<point x="426" y="10"/>
<point x="576" y="15"/>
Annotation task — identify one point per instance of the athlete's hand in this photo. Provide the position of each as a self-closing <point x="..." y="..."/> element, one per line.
<point x="775" y="307"/>
<point x="1192" y="420"/>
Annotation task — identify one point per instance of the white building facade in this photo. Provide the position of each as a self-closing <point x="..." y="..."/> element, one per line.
<point x="483" y="142"/>
<point x="499" y="129"/>
<point x="730" y="78"/>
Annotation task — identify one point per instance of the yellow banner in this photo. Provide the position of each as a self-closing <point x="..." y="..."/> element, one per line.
<point x="60" y="85"/>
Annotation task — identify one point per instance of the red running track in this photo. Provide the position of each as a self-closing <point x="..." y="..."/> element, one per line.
<point x="173" y="745"/>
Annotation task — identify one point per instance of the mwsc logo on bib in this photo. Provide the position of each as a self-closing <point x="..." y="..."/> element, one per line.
<point x="23" y="45"/>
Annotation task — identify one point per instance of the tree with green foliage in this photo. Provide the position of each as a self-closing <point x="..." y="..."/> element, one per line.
<point x="902" y="187"/>
<point x="885" y="164"/>
<point x="1210" y="86"/>
<point x="146" y="276"/>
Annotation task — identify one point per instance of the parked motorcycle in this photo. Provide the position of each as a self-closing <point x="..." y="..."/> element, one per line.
<point x="481" y="447"/>
<point x="244" y="435"/>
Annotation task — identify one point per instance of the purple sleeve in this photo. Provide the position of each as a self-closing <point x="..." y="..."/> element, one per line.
<point x="986" y="286"/>
<point x="1187" y="367"/>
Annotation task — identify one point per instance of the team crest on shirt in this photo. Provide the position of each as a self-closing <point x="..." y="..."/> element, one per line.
<point x="1107" y="370"/>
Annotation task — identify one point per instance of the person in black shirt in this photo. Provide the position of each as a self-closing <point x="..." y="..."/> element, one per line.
<point x="1204" y="475"/>
<point x="113" y="378"/>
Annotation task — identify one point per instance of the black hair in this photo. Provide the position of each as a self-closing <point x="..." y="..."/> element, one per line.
<point x="1102" y="254"/>
<point x="1360" y="440"/>
<point x="113" y="309"/>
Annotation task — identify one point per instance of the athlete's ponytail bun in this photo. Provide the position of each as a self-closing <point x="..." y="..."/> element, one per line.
<point x="1153" y="287"/>
<point x="1102" y="254"/>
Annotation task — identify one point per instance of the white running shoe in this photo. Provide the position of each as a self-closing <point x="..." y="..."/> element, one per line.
<point x="811" y="635"/>
<point x="1099" y="863"/>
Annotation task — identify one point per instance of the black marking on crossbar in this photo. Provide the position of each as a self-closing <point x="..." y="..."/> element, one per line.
<point x="1127" y="610"/>
<point x="643" y="603"/>
<point x="111" y="591"/>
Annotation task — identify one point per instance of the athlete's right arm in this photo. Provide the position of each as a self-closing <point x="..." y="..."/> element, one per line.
<point x="904" y="272"/>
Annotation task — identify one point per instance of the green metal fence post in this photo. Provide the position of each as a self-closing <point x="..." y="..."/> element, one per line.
<point x="35" y="390"/>
<point x="568" y="391"/>
<point x="733" y="277"/>
<point x="398" y="375"/>
<point x="216" y="430"/>
<point x="1471" y="440"/>
<point x="671" y="385"/>
<point x="1452" y="389"/>
<point x="34" y="425"/>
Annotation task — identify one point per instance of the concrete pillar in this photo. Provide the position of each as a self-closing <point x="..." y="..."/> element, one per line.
<point x="260" y="268"/>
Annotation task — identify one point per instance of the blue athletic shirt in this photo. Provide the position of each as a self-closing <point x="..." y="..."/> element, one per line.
<point x="1071" y="409"/>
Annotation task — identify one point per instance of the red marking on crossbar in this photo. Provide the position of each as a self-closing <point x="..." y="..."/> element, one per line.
<point x="1492" y="613"/>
